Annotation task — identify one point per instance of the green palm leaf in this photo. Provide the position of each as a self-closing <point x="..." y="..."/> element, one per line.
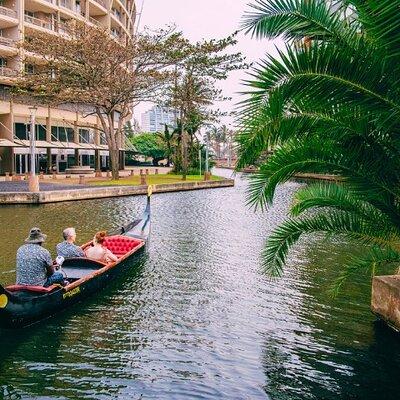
<point x="371" y="262"/>
<point x="342" y="223"/>
<point x="295" y="19"/>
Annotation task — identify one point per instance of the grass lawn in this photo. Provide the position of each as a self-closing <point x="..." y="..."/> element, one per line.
<point x="151" y="180"/>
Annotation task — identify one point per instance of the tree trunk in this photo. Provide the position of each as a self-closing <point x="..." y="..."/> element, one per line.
<point x="114" y="161"/>
<point x="183" y="153"/>
<point x="184" y="157"/>
<point x="112" y="142"/>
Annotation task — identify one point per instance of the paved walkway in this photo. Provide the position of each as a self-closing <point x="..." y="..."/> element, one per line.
<point x="22" y="186"/>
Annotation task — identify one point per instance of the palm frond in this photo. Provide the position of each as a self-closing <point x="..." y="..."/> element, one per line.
<point x="372" y="261"/>
<point x="334" y="195"/>
<point x="296" y="19"/>
<point x="342" y="223"/>
<point x="361" y="172"/>
<point x="380" y="21"/>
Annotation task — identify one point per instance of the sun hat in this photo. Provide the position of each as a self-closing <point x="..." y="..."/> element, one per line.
<point x="35" y="236"/>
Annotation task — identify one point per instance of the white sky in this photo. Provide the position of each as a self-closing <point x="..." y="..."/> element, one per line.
<point x="206" y="19"/>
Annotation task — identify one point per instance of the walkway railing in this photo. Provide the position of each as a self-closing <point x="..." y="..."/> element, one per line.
<point x="101" y="2"/>
<point x="38" y="22"/>
<point x="94" y="21"/>
<point x="5" y="71"/>
<point x="8" y="12"/>
<point x="6" y="41"/>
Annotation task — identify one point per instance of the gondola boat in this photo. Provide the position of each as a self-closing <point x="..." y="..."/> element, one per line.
<point x="22" y="305"/>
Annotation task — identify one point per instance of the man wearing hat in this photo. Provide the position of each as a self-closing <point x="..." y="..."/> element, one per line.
<point x="34" y="263"/>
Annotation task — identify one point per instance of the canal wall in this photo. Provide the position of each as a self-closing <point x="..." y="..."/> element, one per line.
<point x="385" y="299"/>
<point x="106" y="191"/>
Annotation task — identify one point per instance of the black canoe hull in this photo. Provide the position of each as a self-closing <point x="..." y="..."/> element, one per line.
<point x="25" y="308"/>
<point x="23" y="313"/>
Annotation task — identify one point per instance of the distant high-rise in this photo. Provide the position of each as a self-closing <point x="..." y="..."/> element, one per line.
<point x="155" y="119"/>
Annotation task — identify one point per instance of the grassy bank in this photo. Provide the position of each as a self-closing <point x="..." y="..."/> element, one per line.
<point x="151" y="180"/>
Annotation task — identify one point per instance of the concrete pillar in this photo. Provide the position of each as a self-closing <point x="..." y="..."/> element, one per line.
<point x="48" y="126"/>
<point x="207" y="176"/>
<point x="7" y="160"/>
<point x="49" y="165"/>
<point x="143" y="181"/>
<point x="76" y="163"/>
<point x="385" y="299"/>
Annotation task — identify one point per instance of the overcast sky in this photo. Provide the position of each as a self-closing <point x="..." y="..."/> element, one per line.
<point x="206" y="19"/>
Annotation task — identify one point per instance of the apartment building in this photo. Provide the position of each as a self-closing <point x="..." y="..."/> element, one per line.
<point x="155" y="119"/>
<point x="64" y="136"/>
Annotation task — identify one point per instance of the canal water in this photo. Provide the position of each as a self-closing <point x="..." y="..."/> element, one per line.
<point x="196" y="318"/>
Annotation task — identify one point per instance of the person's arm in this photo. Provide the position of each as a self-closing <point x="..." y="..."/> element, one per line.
<point x="80" y="252"/>
<point x="110" y="255"/>
<point x="49" y="264"/>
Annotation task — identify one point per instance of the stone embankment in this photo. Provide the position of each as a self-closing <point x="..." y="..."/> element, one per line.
<point x="385" y="300"/>
<point x="53" y="196"/>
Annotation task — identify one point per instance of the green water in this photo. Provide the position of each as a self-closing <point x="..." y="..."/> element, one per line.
<point x="196" y="319"/>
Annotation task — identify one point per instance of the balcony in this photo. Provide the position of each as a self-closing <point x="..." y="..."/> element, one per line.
<point x="101" y="2"/>
<point x="6" y="41"/>
<point x="66" y="4"/>
<point x="9" y="72"/>
<point x="116" y="14"/>
<point x="94" y="21"/>
<point x="38" y="22"/>
<point x="63" y="28"/>
<point x="8" y="12"/>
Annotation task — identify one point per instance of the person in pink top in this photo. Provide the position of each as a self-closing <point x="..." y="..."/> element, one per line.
<point x="98" y="251"/>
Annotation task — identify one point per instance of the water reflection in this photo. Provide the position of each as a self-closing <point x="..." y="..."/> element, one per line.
<point x="197" y="319"/>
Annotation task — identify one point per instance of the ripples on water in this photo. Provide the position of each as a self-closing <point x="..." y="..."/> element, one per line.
<point x="196" y="319"/>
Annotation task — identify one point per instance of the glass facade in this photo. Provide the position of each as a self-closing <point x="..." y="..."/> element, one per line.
<point x="62" y="134"/>
<point x="22" y="130"/>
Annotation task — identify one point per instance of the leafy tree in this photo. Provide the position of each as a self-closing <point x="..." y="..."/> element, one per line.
<point x="168" y="138"/>
<point x="193" y="90"/>
<point x="150" y="145"/>
<point x="328" y="104"/>
<point x="88" y="67"/>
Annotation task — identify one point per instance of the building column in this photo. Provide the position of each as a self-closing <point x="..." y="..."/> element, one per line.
<point x="76" y="141"/>
<point x="7" y="160"/>
<point x="49" y="162"/>
<point x="77" y="163"/>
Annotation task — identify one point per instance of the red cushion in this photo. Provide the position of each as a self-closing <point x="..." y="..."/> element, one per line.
<point x="120" y="245"/>
<point x="30" y="288"/>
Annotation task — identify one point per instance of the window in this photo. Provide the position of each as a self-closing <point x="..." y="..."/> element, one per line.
<point x="29" y="69"/>
<point x="22" y="131"/>
<point x="40" y="132"/>
<point x="3" y="62"/>
<point x="62" y="134"/>
<point x="29" y="13"/>
<point x="84" y="136"/>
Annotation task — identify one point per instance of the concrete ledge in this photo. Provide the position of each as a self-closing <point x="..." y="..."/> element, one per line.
<point x="385" y="300"/>
<point x="105" y="191"/>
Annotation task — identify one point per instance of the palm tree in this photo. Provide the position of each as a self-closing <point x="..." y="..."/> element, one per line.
<point x="169" y="139"/>
<point x="329" y="103"/>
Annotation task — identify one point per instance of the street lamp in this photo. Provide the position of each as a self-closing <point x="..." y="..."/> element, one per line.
<point x="33" y="178"/>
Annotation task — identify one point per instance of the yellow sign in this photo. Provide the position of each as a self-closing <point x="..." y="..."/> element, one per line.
<point x="3" y="300"/>
<point x="72" y="292"/>
<point x="149" y="190"/>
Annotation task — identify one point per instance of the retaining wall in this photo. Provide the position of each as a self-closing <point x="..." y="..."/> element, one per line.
<point x="105" y="191"/>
